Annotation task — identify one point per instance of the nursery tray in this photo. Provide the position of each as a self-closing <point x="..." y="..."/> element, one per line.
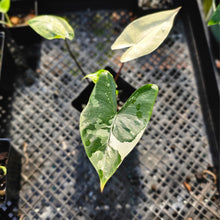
<point x="171" y="174"/>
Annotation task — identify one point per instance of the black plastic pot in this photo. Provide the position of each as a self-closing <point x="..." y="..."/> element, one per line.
<point x="10" y="169"/>
<point x="206" y="73"/>
<point x="8" y="73"/>
<point x="8" y="67"/>
<point x="2" y="43"/>
<point x="22" y="34"/>
<point x="124" y="92"/>
<point x="215" y="40"/>
<point x="4" y="152"/>
<point x="51" y="6"/>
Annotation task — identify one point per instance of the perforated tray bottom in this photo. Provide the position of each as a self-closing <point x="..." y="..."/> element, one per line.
<point x="58" y="181"/>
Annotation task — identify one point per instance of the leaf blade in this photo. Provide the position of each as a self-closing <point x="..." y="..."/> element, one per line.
<point x="207" y="8"/>
<point x="51" y="27"/>
<point x="131" y="121"/>
<point x="94" y="76"/>
<point x="4" y="6"/>
<point x="145" y="34"/>
<point x="95" y="125"/>
<point x="215" y="17"/>
<point x="101" y="127"/>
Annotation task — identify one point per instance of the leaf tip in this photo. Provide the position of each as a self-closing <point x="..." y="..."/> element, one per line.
<point x="177" y="9"/>
<point x="113" y="47"/>
<point x="154" y="87"/>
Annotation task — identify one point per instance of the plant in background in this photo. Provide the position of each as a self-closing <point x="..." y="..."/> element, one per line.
<point x="215" y="17"/>
<point x="3" y="173"/>
<point x="4" y="8"/>
<point x="109" y="135"/>
<point x="211" y="12"/>
<point x="13" y="20"/>
<point x="55" y="27"/>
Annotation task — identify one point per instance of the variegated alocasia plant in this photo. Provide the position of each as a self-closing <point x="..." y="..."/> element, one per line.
<point x="109" y="136"/>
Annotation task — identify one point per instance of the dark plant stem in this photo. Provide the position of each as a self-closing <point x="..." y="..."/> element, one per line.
<point x="74" y="58"/>
<point x="119" y="71"/>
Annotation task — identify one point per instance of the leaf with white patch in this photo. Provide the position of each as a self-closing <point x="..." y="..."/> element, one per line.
<point x="109" y="136"/>
<point x="51" y="27"/>
<point x="145" y="34"/>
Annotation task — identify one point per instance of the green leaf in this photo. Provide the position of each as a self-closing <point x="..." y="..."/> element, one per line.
<point x="108" y="136"/>
<point x="3" y="169"/>
<point x="94" y="76"/>
<point x="207" y="8"/>
<point x="145" y="34"/>
<point x="4" y="6"/>
<point x="215" y="17"/>
<point x="51" y="27"/>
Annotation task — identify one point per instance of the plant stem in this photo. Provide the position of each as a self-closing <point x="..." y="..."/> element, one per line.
<point x="3" y="22"/>
<point x="119" y="71"/>
<point x="74" y="58"/>
<point x="213" y="6"/>
<point x="8" y="20"/>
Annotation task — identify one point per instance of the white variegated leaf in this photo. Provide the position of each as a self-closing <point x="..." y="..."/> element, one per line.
<point x="145" y="34"/>
<point x="109" y="136"/>
<point x="51" y="27"/>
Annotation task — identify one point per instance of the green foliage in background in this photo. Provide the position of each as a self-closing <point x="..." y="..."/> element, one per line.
<point x="52" y="27"/>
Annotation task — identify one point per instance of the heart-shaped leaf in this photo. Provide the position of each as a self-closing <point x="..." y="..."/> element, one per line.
<point x="4" y="6"/>
<point x="145" y="34"/>
<point x="51" y="27"/>
<point x="108" y="136"/>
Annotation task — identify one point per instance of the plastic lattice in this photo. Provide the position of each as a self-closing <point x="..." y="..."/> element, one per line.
<point x="155" y="4"/>
<point x="163" y="177"/>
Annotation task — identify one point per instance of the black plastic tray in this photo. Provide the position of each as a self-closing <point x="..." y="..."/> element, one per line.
<point x="59" y="182"/>
<point x="204" y="65"/>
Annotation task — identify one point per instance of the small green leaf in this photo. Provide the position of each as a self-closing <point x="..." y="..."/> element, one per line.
<point x="145" y="34"/>
<point x="51" y="27"/>
<point x="215" y="18"/>
<point x="4" y="6"/>
<point x="108" y="136"/>
<point x="3" y="169"/>
<point x="94" y="76"/>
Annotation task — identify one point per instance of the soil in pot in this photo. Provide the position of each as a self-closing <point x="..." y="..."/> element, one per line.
<point x="10" y="169"/>
<point x="4" y="151"/>
<point x="20" y="30"/>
